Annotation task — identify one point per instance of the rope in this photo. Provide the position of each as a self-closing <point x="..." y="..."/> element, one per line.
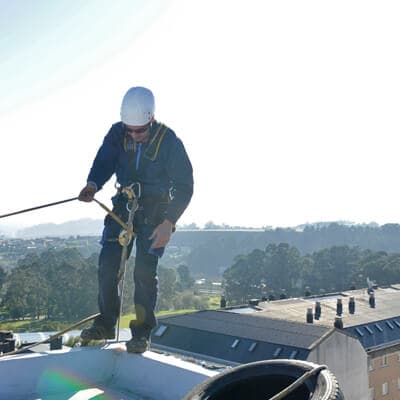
<point x="38" y="207"/>
<point x="124" y="256"/>
<point x="116" y="218"/>
<point x="298" y="382"/>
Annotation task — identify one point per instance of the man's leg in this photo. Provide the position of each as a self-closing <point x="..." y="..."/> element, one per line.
<point x="108" y="297"/>
<point x="145" y="298"/>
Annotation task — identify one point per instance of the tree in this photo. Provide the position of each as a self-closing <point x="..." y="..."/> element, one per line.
<point x="243" y="280"/>
<point x="2" y="276"/>
<point x="282" y="268"/>
<point x="185" y="281"/>
<point x="167" y="280"/>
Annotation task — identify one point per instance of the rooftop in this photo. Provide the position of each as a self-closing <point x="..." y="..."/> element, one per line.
<point x="387" y="306"/>
<point x="94" y="372"/>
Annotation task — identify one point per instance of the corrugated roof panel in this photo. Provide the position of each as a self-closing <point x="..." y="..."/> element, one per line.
<point x="253" y="327"/>
<point x="218" y="346"/>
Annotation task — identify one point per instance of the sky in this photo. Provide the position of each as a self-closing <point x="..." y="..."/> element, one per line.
<point x="289" y="110"/>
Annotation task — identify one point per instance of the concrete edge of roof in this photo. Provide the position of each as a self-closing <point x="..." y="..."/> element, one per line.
<point x="221" y="363"/>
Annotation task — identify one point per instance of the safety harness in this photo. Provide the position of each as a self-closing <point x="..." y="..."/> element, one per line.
<point x="153" y="148"/>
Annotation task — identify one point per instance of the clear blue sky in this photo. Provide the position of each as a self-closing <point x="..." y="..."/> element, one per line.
<point x="289" y="110"/>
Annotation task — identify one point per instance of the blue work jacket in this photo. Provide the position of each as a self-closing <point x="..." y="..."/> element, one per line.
<point x="161" y="166"/>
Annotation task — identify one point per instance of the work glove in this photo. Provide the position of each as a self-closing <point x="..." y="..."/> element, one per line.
<point x="87" y="193"/>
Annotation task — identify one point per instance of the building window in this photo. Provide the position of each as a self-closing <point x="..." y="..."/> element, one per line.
<point x="385" y="388"/>
<point x="371" y="393"/>
<point x="370" y="364"/>
<point x="384" y="360"/>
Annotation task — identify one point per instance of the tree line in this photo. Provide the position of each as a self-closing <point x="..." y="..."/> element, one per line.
<point x="62" y="285"/>
<point x="209" y="253"/>
<point x="280" y="271"/>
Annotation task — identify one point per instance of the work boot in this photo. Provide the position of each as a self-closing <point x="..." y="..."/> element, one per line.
<point x="97" y="332"/>
<point x="138" y="345"/>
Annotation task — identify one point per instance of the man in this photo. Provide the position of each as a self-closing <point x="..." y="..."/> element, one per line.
<point x="142" y="153"/>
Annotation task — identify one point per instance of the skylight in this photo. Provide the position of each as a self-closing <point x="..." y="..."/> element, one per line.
<point x="389" y="324"/>
<point x="252" y="346"/>
<point x="161" y="330"/>
<point x="277" y="352"/>
<point x="293" y="354"/>
<point x="369" y="330"/>
<point x="359" y="332"/>
<point x="235" y="343"/>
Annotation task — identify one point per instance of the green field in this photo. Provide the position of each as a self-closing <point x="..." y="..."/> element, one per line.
<point x="30" y="325"/>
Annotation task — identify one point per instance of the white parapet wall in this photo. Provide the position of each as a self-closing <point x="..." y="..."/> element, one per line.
<point x="84" y="373"/>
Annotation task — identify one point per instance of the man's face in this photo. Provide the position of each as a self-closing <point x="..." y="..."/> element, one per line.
<point x="139" y="133"/>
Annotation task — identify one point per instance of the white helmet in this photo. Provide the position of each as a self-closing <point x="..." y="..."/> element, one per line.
<point x="137" y="106"/>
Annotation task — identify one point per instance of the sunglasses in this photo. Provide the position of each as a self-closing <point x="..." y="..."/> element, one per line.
<point x="143" y="129"/>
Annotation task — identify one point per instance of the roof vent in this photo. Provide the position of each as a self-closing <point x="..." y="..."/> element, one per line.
<point x="271" y="297"/>
<point x="352" y="305"/>
<point x="309" y="316"/>
<point x="338" y="324"/>
<point x="56" y="344"/>
<point x="222" y="302"/>
<point x="339" y="307"/>
<point x="7" y="341"/>
<point x="253" y="302"/>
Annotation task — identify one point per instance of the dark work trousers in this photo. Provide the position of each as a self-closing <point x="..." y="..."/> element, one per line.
<point x="145" y="276"/>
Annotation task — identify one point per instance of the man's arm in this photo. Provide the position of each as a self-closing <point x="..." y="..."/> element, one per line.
<point x="180" y="172"/>
<point x="103" y="165"/>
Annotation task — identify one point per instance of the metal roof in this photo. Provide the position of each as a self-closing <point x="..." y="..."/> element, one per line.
<point x="222" y="346"/>
<point x="283" y="322"/>
<point x="251" y="326"/>
<point x="387" y="306"/>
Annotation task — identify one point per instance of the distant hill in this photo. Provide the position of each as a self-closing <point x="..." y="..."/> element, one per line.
<point x="208" y="252"/>
<point x="81" y="227"/>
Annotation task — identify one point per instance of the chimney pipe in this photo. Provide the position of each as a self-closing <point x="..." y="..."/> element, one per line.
<point x="317" y="310"/>
<point x="339" y="307"/>
<point x="338" y="323"/>
<point x="372" y="300"/>
<point x="309" y="316"/>
<point x="352" y="305"/>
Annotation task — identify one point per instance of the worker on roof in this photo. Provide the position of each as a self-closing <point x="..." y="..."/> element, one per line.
<point x="143" y="152"/>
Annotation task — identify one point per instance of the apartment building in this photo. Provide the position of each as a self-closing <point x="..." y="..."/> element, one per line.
<point x="355" y="333"/>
